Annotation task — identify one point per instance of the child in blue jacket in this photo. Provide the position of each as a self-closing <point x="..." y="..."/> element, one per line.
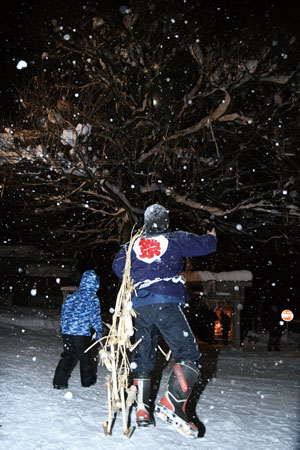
<point x="156" y="263"/>
<point x="80" y="313"/>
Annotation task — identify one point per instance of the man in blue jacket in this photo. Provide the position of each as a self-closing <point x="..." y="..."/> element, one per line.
<point x="156" y="264"/>
<point x="80" y="313"/>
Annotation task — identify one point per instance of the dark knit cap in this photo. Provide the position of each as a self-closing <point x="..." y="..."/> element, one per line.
<point x="156" y="219"/>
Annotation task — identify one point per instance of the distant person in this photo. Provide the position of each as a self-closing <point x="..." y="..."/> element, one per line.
<point x="225" y="324"/>
<point x="275" y="329"/>
<point x="156" y="264"/>
<point x="80" y="314"/>
<point x="211" y="319"/>
<point x="197" y="321"/>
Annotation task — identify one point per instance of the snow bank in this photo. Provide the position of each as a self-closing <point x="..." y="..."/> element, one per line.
<point x="248" y="399"/>
<point x="33" y="318"/>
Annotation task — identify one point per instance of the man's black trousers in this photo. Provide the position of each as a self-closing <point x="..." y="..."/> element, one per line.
<point x="170" y="321"/>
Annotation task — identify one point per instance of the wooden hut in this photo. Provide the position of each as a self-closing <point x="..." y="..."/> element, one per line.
<point x="222" y="289"/>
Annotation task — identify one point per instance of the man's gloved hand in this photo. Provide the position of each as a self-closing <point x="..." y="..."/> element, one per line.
<point x="208" y="227"/>
<point x="213" y="232"/>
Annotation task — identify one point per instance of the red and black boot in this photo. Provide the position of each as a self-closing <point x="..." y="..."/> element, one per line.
<point x="171" y="407"/>
<point x="144" y="417"/>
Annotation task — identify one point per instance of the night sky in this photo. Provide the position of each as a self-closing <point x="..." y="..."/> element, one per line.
<point x="21" y="22"/>
<point x="20" y="28"/>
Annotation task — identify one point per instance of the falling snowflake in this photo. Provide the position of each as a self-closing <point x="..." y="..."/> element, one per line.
<point x="21" y="64"/>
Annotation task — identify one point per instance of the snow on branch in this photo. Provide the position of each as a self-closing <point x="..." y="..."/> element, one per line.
<point x="192" y="129"/>
<point x="261" y="205"/>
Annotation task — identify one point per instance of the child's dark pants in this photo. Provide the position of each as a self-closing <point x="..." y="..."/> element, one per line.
<point x="74" y="347"/>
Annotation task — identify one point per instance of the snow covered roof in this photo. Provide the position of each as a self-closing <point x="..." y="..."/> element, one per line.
<point x="235" y="275"/>
<point x="46" y="270"/>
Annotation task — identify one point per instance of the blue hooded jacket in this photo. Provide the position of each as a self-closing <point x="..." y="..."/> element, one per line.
<point x="156" y="264"/>
<point x="81" y="310"/>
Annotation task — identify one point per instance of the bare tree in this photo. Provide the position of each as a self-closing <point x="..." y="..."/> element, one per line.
<point x="159" y="102"/>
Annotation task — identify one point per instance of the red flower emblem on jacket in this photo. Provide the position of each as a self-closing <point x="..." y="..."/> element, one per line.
<point x="149" y="248"/>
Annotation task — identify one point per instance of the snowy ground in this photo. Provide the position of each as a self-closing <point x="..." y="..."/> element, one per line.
<point x="249" y="399"/>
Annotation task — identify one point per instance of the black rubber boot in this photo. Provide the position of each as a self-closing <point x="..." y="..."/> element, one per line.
<point x="171" y="407"/>
<point x="144" y="417"/>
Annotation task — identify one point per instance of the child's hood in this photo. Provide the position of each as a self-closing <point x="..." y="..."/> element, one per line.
<point x="90" y="281"/>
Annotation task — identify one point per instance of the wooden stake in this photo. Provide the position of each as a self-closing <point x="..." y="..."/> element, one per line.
<point x="124" y="418"/>
<point x="107" y="425"/>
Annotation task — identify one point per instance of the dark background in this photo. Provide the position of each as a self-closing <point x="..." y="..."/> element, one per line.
<point x="276" y="278"/>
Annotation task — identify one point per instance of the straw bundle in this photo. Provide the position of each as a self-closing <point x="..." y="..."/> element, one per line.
<point x="114" y="352"/>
